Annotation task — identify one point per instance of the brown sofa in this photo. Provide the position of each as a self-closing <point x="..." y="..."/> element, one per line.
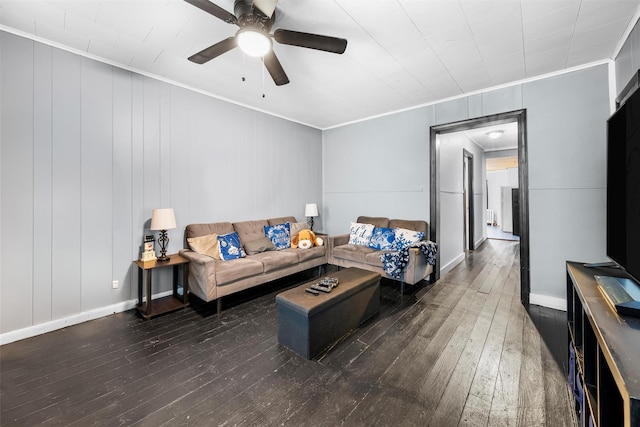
<point x="211" y="279"/>
<point x="343" y="254"/>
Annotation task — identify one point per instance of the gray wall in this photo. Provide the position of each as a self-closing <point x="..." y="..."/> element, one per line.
<point x="88" y="150"/>
<point x="378" y="168"/>
<point x="566" y="118"/>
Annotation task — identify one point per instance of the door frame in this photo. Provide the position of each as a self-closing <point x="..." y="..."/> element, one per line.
<point x="520" y="117"/>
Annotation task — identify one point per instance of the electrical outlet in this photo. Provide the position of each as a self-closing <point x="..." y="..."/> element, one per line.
<point x="115" y="284"/>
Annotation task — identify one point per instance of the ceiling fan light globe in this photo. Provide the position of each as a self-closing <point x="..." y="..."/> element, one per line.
<point x="253" y="43"/>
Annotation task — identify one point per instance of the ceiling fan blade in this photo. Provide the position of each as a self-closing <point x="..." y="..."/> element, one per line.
<point x="275" y="69"/>
<point x="266" y="6"/>
<point x="311" y="41"/>
<point x="214" y="10"/>
<point x="213" y="51"/>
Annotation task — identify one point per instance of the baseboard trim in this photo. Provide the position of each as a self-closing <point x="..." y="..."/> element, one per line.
<point x="32" y="331"/>
<point x="457" y="260"/>
<point x="549" y="302"/>
<point x="85" y="316"/>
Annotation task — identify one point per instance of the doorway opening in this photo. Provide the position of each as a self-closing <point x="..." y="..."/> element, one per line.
<point x="443" y="197"/>
<point x="502" y="198"/>
<point x="468" y="206"/>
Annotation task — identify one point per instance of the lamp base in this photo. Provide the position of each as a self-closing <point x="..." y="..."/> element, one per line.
<point x="164" y="239"/>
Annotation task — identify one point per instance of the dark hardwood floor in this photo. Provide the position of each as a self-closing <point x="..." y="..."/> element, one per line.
<point x="462" y="351"/>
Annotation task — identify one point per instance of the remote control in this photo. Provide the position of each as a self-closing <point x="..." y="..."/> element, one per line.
<point x="312" y="291"/>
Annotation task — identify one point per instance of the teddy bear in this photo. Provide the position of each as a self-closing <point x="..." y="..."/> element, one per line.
<point x="306" y="239"/>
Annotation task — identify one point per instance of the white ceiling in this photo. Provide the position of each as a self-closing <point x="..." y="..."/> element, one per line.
<point x="508" y="140"/>
<point x="401" y="53"/>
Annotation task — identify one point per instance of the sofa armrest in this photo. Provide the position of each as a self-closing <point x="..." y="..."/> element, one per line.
<point x="341" y="239"/>
<point x="332" y="242"/>
<point x="417" y="267"/>
<point x="202" y="275"/>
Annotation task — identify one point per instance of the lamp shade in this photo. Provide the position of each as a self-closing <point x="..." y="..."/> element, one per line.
<point x="163" y="219"/>
<point x="311" y="209"/>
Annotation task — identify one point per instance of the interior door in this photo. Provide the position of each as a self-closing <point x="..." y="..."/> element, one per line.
<point x="515" y="209"/>
<point x="506" y="209"/>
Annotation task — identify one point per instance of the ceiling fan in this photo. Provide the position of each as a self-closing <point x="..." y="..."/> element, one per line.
<point x="255" y="19"/>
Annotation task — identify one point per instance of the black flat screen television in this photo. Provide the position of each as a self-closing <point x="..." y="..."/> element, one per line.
<point x="623" y="186"/>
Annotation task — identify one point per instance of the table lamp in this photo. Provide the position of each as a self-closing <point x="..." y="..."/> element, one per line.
<point x="163" y="220"/>
<point x="310" y="211"/>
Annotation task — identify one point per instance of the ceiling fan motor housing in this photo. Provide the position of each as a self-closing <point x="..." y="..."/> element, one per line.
<point x="249" y="16"/>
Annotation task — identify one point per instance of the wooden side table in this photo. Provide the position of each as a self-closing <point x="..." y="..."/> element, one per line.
<point x="176" y="301"/>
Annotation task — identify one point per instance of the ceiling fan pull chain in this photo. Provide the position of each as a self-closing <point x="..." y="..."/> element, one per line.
<point x="263" y="86"/>
<point x="244" y="67"/>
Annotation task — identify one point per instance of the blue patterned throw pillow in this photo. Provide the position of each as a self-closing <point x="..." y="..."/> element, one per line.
<point x="382" y="238"/>
<point x="230" y="247"/>
<point x="406" y="238"/>
<point x="360" y="234"/>
<point x="279" y="234"/>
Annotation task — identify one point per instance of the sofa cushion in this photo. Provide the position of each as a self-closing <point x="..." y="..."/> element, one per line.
<point x="230" y="246"/>
<point x="260" y="245"/>
<point x="275" y="260"/>
<point x="282" y="220"/>
<point x="206" y="245"/>
<point x="417" y="225"/>
<point x="356" y="253"/>
<point x="406" y="238"/>
<point x="377" y="221"/>
<point x="196" y="230"/>
<point x="295" y="227"/>
<point x="374" y="258"/>
<point x="279" y="235"/>
<point x="382" y="238"/>
<point x="360" y="234"/>
<point x="230" y="271"/>
<point x="313" y="252"/>
<point x="250" y="230"/>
